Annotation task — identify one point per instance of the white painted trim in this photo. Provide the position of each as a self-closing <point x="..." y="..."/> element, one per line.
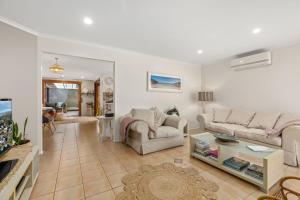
<point x="18" y="26"/>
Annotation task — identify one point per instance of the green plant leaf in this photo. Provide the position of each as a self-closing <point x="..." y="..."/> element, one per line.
<point x="25" y="125"/>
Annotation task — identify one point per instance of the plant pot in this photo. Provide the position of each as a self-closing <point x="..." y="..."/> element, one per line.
<point x="24" y="142"/>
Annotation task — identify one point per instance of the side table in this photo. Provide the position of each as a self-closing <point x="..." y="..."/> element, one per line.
<point x="106" y="127"/>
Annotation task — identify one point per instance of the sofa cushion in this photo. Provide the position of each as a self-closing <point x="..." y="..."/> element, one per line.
<point x="240" y="117"/>
<point x="264" y="120"/>
<point x="159" y="117"/>
<point x="258" y="135"/>
<point x="286" y="118"/>
<point x="166" y="131"/>
<point x="223" y="127"/>
<point x="145" y="115"/>
<point x="221" y="114"/>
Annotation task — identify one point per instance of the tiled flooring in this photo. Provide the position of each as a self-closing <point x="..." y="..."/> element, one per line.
<point x="75" y="165"/>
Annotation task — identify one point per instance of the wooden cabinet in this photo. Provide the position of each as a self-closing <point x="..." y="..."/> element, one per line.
<point x="20" y="181"/>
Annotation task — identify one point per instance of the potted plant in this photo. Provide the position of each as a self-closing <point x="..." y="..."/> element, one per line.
<point x="18" y="138"/>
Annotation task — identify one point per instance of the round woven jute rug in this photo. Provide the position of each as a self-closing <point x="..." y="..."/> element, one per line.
<point x="167" y="182"/>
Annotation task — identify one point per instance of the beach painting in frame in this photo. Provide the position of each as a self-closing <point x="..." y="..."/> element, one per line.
<point x="164" y="82"/>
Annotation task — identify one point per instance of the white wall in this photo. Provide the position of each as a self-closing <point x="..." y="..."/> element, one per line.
<point x="18" y="57"/>
<point x="272" y="88"/>
<point x="131" y="75"/>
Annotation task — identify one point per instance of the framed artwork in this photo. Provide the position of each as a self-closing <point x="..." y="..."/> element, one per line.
<point x="164" y="82"/>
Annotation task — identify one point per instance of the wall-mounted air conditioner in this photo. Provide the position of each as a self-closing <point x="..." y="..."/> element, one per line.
<point x="246" y="61"/>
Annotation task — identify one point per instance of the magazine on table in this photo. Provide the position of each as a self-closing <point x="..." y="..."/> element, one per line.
<point x="258" y="148"/>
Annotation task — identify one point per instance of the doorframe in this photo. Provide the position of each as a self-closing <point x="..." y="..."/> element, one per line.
<point x="96" y="97"/>
<point x="45" y="81"/>
<point x="45" y="50"/>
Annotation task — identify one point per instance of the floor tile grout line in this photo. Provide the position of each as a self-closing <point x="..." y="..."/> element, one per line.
<point x="105" y="173"/>
<point x="76" y="132"/>
<point x="58" y="164"/>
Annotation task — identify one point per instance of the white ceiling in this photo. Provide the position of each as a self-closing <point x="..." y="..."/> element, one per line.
<point x="168" y="28"/>
<point x="76" y="68"/>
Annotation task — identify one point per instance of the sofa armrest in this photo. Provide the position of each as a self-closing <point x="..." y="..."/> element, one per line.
<point x="141" y="128"/>
<point x="176" y="122"/>
<point x="204" y="119"/>
<point x="291" y="144"/>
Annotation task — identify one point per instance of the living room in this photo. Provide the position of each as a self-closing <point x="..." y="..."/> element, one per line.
<point x="199" y="57"/>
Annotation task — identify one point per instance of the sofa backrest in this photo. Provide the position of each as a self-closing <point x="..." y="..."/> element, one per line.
<point x="261" y="120"/>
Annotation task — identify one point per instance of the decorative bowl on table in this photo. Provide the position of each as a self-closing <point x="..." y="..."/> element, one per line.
<point x="226" y="139"/>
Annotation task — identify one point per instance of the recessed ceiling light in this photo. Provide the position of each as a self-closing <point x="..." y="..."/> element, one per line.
<point x="88" y="21"/>
<point x="62" y="75"/>
<point x="199" y="51"/>
<point x="256" y="30"/>
<point x="82" y="77"/>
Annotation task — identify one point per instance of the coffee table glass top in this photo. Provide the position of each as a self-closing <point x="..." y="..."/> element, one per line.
<point x="241" y="147"/>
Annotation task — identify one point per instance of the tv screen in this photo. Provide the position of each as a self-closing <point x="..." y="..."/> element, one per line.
<point x="5" y="124"/>
<point x="6" y="109"/>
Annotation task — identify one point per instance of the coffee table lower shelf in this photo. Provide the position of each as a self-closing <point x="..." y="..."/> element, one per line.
<point x="240" y="174"/>
<point x="271" y="162"/>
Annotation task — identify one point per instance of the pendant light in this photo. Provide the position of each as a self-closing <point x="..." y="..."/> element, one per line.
<point x="56" y="68"/>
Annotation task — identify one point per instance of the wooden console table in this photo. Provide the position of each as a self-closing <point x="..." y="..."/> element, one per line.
<point x="18" y="184"/>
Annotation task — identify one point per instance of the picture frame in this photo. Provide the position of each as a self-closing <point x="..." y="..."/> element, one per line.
<point x="164" y="82"/>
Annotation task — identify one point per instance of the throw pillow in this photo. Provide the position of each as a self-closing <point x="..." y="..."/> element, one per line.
<point x="286" y="118"/>
<point x="240" y="117"/>
<point x="145" y="115"/>
<point x="263" y="120"/>
<point x="159" y="117"/>
<point x="221" y="114"/>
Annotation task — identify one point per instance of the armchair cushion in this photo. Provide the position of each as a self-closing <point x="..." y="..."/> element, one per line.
<point x="175" y="122"/>
<point x="166" y="131"/>
<point x="159" y="117"/>
<point x="145" y="115"/>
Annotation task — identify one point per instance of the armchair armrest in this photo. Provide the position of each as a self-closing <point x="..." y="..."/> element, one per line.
<point x="141" y="128"/>
<point x="176" y="122"/>
<point x="204" y="119"/>
<point x="291" y="145"/>
<point x="123" y="117"/>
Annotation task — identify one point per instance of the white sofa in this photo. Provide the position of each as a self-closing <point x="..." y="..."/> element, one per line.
<point x="252" y="126"/>
<point x="169" y="131"/>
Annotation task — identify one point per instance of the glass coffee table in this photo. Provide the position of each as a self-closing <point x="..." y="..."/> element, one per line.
<point x="271" y="161"/>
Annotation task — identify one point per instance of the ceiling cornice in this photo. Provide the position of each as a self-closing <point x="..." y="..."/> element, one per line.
<point x="19" y="26"/>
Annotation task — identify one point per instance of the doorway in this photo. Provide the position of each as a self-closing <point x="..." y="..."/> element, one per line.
<point x="63" y="96"/>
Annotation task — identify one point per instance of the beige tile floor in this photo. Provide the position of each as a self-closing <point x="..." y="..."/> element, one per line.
<point x="75" y="165"/>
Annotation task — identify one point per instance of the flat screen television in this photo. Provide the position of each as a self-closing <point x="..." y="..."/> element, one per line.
<point x="6" y="109"/>
<point x="5" y="124"/>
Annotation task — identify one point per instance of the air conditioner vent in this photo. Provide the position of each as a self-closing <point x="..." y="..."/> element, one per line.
<point x="252" y="59"/>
